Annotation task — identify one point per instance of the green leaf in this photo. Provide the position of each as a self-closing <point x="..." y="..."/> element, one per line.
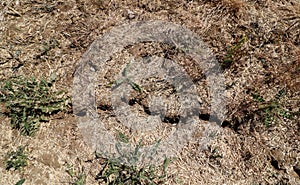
<point x="30" y="101"/>
<point x="135" y="86"/>
<point x="124" y="73"/>
<point x="122" y="137"/>
<point x="257" y="97"/>
<point x="20" y="182"/>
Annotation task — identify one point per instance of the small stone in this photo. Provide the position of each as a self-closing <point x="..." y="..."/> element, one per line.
<point x="130" y="14"/>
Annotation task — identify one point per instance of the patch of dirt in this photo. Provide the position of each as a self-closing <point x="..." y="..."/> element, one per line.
<point x="256" y="42"/>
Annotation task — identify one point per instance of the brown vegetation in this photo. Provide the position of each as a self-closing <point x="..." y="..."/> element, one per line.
<point x="256" y="42"/>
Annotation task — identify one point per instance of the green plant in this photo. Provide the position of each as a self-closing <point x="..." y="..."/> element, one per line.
<point x="30" y="101"/>
<point x="78" y="178"/>
<point x="122" y="137"/>
<point x="215" y="154"/>
<point x="257" y="97"/>
<point x="115" y="173"/>
<point x="126" y="79"/>
<point x="228" y="59"/>
<point x="273" y="109"/>
<point x="16" y="160"/>
<point x="20" y="182"/>
<point x="47" y="47"/>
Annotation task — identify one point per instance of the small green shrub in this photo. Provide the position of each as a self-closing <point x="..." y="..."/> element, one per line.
<point x="115" y="173"/>
<point x="16" y="160"/>
<point x="30" y="101"/>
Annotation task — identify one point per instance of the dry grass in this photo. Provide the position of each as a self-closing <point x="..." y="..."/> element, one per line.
<point x="40" y="37"/>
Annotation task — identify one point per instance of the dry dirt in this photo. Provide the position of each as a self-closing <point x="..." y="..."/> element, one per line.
<point x="41" y="37"/>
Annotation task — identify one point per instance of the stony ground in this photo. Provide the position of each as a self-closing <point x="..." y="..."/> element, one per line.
<point x="257" y="43"/>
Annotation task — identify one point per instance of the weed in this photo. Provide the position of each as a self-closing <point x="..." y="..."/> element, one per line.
<point x="115" y="173"/>
<point x="257" y="97"/>
<point x="122" y="137"/>
<point x="273" y="109"/>
<point x="126" y="79"/>
<point x="47" y="46"/>
<point x="78" y="179"/>
<point x="30" y="101"/>
<point x="16" y="160"/>
<point x="214" y="154"/>
<point x="20" y="182"/>
<point x="228" y="59"/>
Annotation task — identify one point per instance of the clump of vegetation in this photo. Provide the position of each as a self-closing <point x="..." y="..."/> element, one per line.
<point x="272" y="110"/>
<point x="30" y="101"/>
<point x="126" y="79"/>
<point x="78" y="178"/>
<point x="122" y="137"/>
<point x="232" y="51"/>
<point x="47" y="47"/>
<point x="16" y="160"/>
<point x="115" y="173"/>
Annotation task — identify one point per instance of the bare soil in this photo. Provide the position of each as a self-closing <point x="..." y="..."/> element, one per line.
<point x="41" y="37"/>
